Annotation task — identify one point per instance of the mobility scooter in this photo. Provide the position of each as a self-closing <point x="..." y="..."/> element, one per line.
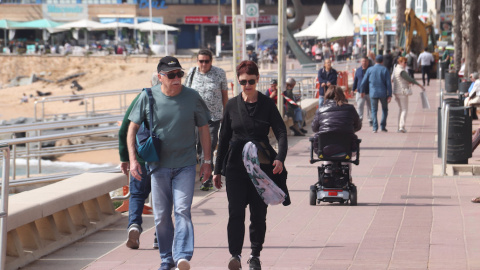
<point x="334" y="180"/>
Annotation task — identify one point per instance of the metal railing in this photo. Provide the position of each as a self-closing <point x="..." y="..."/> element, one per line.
<point x="4" y="207"/>
<point x="39" y="128"/>
<point x="63" y="135"/>
<point x="89" y="104"/>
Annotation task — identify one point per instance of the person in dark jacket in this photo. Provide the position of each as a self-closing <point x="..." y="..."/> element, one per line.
<point x="388" y="61"/>
<point x="336" y="115"/>
<point x="139" y="188"/>
<point x="361" y="101"/>
<point x="248" y="118"/>
<point x="326" y="76"/>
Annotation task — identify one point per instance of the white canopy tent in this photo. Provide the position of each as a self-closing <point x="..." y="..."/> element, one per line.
<point x="153" y="26"/>
<point x="320" y="28"/>
<point x="85" y="23"/>
<point x="112" y="26"/>
<point x="343" y="27"/>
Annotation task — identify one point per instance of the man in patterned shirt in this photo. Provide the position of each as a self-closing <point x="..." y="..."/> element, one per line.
<point x="211" y="84"/>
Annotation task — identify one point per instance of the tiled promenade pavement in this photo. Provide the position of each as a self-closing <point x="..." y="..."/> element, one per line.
<point x="405" y="219"/>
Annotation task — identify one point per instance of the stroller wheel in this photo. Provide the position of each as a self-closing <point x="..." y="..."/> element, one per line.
<point x="353" y="195"/>
<point x="313" y="197"/>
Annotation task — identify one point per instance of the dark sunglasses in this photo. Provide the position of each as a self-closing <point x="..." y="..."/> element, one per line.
<point x="204" y="61"/>
<point x="172" y="75"/>
<point x="251" y="82"/>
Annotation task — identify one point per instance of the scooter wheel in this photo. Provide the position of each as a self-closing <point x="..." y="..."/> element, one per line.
<point x="353" y="196"/>
<point x="313" y="197"/>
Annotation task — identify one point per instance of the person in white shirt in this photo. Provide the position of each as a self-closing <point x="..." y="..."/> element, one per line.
<point x="426" y="60"/>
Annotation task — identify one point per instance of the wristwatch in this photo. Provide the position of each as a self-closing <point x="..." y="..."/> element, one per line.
<point x="208" y="161"/>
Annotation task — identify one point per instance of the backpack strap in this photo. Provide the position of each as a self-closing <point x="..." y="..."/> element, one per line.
<point x="150" y="102"/>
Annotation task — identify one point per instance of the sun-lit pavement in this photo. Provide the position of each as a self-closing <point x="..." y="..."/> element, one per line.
<point x="406" y="218"/>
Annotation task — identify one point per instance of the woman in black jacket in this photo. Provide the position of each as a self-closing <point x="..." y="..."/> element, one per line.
<point x="248" y="118"/>
<point x="336" y="115"/>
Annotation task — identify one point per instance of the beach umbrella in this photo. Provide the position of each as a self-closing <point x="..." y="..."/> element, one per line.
<point x="153" y="26"/>
<point x="7" y="24"/>
<point x="113" y="25"/>
<point x="86" y="24"/>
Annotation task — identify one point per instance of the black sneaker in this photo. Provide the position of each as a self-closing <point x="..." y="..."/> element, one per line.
<point x="235" y="263"/>
<point x="303" y="130"/>
<point x="155" y="243"/>
<point x="208" y="185"/>
<point x="254" y="263"/>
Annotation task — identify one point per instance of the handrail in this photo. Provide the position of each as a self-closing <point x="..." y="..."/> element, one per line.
<point x="4" y="207"/>
<point x="86" y="132"/>
<point x="37" y="126"/>
<point x="88" y="112"/>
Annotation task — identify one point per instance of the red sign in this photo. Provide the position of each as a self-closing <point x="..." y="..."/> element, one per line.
<point x="201" y="20"/>
<point x="263" y="19"/>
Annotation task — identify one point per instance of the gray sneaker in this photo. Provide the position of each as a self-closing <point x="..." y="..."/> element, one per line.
<point x="133" y="240"/>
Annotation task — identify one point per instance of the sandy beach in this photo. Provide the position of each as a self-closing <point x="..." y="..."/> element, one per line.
<point x="102" y="74"/>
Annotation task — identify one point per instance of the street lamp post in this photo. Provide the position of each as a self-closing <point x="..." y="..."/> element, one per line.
<point x="368" y="27"/>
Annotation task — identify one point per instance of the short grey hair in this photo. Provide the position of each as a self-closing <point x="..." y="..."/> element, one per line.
<point x="475" y="75"/>
<point x="155" y="80"/>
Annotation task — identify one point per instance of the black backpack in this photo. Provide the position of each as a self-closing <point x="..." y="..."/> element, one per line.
<point x="409" y="61"/>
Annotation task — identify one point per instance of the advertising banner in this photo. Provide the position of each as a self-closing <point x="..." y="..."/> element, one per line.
<point x="65" y="12"/>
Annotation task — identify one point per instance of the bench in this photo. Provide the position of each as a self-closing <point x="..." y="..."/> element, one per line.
<point x="45" y="219"/>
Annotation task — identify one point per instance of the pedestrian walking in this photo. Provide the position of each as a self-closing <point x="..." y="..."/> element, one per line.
<point x="426" y="60"/>
<point x="139" y="187"/>
<point x="326" y="76"/>
<point x="365" y="99"/>
<point x="211" y="83"/>
<point x="178" y="110"/>
<point x="377" y="79"/>
<point x="401" y="89"/>
<point x="412" y="65"/>
<point x="247" y="121"/>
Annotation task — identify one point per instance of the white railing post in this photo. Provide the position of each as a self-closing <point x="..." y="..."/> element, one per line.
<point x="446" y="120"/>
<point x="4" y="207"/>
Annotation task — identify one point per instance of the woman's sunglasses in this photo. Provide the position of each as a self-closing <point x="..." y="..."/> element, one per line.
<point x="251" y="82"/>
<point x="204" y="61"/>
<point x="172" y="75"/>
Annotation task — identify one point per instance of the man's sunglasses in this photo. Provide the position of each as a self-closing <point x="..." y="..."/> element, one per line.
<point x="172" y="75"/>
<point x="204" y="61"/>
<point x="251" y="82"/>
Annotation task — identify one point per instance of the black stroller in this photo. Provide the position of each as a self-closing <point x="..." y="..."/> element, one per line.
<point x="334" y="178"/>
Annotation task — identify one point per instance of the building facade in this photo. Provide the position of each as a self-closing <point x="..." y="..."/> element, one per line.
<point x="198" y="20"/>
<point x="383" y="18"/>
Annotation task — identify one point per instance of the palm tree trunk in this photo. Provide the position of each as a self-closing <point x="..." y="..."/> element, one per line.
<point x="457" y="42"/>
<point x="473" y="39"/>
<point x="401" y="6"/>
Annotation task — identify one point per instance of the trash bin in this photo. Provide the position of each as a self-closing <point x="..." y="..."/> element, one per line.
<point x="444" y="66"/>
<point x="453" y="102"/>
<point x="463" y="87"/>
<point x="459" y="143"/>
<point x="451" y="82"/>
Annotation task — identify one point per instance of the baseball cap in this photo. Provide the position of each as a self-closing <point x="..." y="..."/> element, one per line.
<point x="168" y="63"/>
<point x="273" y="81"/>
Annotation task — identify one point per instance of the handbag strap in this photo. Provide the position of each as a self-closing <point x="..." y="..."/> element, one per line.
<point x="150" y="102"/>
<point x="191" y="77"/>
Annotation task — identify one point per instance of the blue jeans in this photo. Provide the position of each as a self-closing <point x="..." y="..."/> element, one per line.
<point x="320" y="101"/>
<point x="297" y="116"/>
<point x="139" y="190"/>
<point x="173" y="187"/>
<point x="384" y="103"/>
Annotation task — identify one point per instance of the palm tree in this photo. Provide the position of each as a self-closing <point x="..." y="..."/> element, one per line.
<point x="457" y="42"/>
<point x="472" y="9"/>
<point x="401" y="6"/>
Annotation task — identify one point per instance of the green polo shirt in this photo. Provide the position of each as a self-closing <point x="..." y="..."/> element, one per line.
<point x="174" y="122"/>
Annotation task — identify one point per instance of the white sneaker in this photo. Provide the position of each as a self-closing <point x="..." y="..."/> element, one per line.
<point x="133" y="240"/>
<point x="183" y="264"/>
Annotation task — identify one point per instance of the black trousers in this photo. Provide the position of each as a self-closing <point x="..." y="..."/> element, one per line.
<point x="426" y="70"/>
<point x="240" y="193"/>
<point x="411" y="72"/>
